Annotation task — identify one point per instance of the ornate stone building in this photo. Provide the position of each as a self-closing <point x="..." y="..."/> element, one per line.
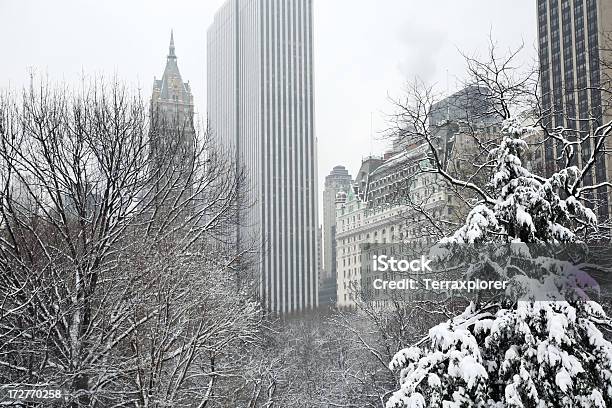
<point x="172" y="101"/>
<point x="172" y="129"/>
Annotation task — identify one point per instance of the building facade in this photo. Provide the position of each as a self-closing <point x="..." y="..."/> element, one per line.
<point x="360" y="227"/>
<point x="574" y="52"/>
<point x="383" y="215"/>
<point x="404" y="203"/>
<point x="336" y="181"/>
<point x="399" y="208"/>
<point x="350" y="212"/>
<point x="260" y="111"/>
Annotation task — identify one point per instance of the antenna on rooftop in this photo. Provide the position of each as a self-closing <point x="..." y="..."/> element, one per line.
<point x="371" y="136"/>
<point x="447" y="94"/>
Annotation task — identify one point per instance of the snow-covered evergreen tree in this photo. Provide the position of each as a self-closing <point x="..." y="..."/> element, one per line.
<point x="540" y="345"/>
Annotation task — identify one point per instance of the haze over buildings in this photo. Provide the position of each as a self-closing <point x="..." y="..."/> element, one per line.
<point x="380" y="46"/>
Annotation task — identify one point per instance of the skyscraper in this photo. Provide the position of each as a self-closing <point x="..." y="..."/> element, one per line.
<point x="260" y="110"/>
<point x="469" y="105"/>
<point x="337" y="180"/>
<point x="574" y="51"/>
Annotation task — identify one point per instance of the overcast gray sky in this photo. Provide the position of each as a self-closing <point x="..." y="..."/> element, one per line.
<point x="364" y="51"/>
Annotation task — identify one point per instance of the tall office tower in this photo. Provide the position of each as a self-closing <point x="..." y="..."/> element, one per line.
<point x="574" y="51"/>
<point x="260" y="110"/>
<point x="172" y="129"/>
<point x="469" y="105"/>
<point x="337" y="180"/>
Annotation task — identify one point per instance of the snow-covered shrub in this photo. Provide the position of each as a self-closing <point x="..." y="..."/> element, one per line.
<point x="537" y="354"/>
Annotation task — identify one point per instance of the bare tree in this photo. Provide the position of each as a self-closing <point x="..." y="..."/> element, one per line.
<point x="113" y="256"/>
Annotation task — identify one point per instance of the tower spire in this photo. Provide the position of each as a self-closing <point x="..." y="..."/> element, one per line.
<point x="171" y="54"/>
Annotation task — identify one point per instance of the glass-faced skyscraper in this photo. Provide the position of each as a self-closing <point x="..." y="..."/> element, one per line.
<point x="575" y="44"/>
<point x="260" y="110"/>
